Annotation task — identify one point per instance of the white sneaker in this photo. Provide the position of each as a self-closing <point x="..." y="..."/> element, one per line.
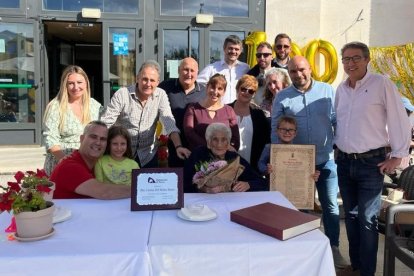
<point x="339" y="261"/>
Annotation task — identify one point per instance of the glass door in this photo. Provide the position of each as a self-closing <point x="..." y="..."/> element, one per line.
<point x="176" y="41"/>
<point x="122" y="55"/>
<point x="20" y="95"/>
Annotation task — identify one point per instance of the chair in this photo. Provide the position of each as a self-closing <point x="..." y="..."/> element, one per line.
<point x="396" y="244"/>
<point x="406" y="183"/>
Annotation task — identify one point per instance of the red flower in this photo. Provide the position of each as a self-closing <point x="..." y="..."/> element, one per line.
<point x="43" y="188"/>
<point x="41" y="173"/>
<point x="19" y="176"/>
<point x="14" y="186"/>
<point x="163" y="140"/>
<point x="162" y="153"/>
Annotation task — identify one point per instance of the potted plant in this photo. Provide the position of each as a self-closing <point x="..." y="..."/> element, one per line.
<point x="28" y="200"/>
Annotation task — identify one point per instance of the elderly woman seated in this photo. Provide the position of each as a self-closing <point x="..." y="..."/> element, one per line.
<point x="235" y="175"/>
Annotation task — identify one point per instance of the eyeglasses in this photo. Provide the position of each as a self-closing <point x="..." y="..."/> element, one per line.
<point x="265" y="55"/>
<point x="287" y="130"/>
<point x="246" y="90"/>
<point x="355" y="59"/>
<point x="279" y="47"/>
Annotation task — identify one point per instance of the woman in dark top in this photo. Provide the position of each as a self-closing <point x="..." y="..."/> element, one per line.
<point x="218" y="141"/>
<point x="254" y="127"/>
<point x="210" y="110"/>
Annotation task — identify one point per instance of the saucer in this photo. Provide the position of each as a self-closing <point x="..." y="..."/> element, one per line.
<point x="206" y="215"/>
<point x="34" y="238"/>
<point x="61" y="214"/>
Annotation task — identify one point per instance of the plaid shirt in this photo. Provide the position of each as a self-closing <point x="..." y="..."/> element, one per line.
<point x="140" y="121"/>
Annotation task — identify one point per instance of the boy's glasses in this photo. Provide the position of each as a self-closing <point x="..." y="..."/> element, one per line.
<point x="287" y="130"/>
<point x="265" y="55"/>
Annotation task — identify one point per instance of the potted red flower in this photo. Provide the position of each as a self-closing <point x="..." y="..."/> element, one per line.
<point x="26" y="199"/>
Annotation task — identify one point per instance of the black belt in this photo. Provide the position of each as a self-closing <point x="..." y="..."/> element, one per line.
<point x="367" y="154"/>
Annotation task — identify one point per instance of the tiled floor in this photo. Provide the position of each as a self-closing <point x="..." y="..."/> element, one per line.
<point x="400" y="268"/>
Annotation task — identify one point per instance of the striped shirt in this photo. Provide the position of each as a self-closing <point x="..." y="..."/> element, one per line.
<point x="141" y="121"/>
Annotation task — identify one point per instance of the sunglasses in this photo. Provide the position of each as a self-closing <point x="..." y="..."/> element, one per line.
<point x="279" y="47"/>
<point x="265" y="55"/>
<point x="246" y="90"/>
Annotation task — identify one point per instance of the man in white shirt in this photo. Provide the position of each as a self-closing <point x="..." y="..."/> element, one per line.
<point x="230" y="67"/>
<point x="370" y="118"/>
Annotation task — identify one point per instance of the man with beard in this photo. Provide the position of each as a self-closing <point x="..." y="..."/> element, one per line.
<point x="282" y="49"/>
<point x="181" y="92"/>
<point x="230" y="67"/>
<point x="264" y="63"/>
<point x="311" y="103"/>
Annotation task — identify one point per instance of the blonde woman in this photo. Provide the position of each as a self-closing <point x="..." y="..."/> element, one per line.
<point x="67" y="115"/>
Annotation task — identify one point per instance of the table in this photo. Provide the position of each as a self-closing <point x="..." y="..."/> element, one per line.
<point x="104" y="237"/>
<point x="222" y="247"/>
<point x="101" y="238"/>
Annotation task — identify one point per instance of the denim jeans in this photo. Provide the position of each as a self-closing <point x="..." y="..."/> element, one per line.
<point x="327" y="186"/>
<point x="360" y="183"/>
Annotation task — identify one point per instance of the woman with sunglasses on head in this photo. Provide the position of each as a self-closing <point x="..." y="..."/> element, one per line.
<point x="254" y="127"/>
<point x="198" y="116"/>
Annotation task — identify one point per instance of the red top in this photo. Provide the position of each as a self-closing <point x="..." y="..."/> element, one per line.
<point x="69" y="174"/>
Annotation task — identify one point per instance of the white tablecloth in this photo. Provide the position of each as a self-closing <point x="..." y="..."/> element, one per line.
<point x="101" y="238"/>
<point x="222" y="247"/>
<point x="106" y="238"/>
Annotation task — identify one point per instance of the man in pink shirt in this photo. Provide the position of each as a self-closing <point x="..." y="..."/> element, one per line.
<point x="370" y="117"/>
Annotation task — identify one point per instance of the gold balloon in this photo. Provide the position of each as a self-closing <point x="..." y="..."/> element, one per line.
<point x="252" y="40"/>
<point x="325" y="48"/>
<point x="396" y="62"/>
<point x="295" y="50"/>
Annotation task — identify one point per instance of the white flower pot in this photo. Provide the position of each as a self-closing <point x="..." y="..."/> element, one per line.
<point x="35" y="224"/>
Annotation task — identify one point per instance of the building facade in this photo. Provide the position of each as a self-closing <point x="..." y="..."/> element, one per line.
<point x="109" y="39"/>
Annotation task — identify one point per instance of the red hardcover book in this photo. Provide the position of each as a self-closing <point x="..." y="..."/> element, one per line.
<point x="275" y="220"/>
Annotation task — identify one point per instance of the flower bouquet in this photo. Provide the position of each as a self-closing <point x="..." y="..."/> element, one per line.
<point x="218" y="173"/>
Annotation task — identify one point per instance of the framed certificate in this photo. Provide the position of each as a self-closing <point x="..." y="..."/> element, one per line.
<point x="157" y="189"/>
<point x="292" y="169"/>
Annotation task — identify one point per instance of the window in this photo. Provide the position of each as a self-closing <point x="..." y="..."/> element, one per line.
<point x="235" y="8"/>
<point x="107" y="6"/>
<point x="176" y="48"/>
<point x="17" y="94"/>
<point x="10" y="4"/>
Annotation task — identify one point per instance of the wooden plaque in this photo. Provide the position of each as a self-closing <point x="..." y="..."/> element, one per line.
<point x="157" y="189"/>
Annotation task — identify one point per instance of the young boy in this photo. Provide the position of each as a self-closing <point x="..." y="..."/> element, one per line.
<point x="286" y="132"/>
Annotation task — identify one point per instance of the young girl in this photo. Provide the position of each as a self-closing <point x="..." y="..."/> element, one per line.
<point x="117" y="163"/>
<point x="286" y="132"/>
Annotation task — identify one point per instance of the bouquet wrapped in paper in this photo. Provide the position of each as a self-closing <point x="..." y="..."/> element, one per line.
<point x="218" y="173"/>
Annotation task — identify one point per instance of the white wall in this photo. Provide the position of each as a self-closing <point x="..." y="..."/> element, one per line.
<point x="381" y="23"/>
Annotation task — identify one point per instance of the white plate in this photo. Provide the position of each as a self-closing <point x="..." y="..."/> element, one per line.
<point x="35" y="238"/>
<point x="61" y="214"/>
<point x="184" y="217"/>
